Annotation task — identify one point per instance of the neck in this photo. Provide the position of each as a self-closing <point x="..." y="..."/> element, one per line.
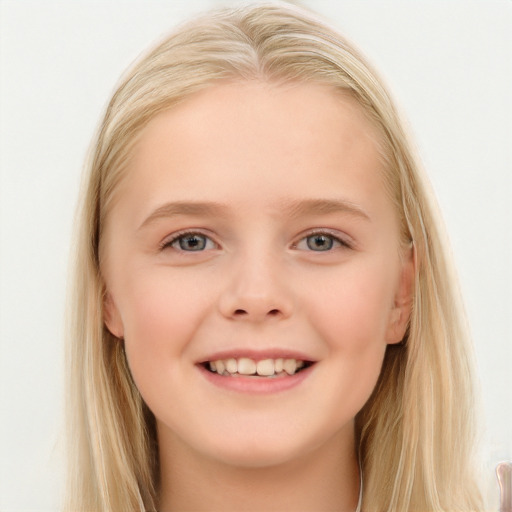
<point x="324" y="480"/>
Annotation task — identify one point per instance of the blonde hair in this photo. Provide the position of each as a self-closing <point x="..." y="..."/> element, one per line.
<point x="415" y="433"/>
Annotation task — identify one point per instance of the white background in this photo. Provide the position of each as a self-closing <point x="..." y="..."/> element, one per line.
<point x="449" y="63"/>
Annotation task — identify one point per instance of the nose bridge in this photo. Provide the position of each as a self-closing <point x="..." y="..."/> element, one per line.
<point x="256" y="289"/>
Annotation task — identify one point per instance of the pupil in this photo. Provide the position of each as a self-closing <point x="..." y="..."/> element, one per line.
<point x="320" y="242"/>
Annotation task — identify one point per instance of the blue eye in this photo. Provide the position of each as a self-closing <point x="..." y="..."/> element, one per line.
<point x="320" y="242"/>
<point x="190" y="242"/>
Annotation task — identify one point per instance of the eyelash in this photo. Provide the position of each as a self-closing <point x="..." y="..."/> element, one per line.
<point x="342" y="244"/>
<point x="168" y="243"/>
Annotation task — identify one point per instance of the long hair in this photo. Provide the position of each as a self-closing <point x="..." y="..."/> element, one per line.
<point x="415" y="434"/>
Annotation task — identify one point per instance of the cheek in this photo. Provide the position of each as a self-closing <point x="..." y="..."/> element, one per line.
<point x="350" y="314"/>
<point x="353" y="307"/>
<point x="160" y="312"/>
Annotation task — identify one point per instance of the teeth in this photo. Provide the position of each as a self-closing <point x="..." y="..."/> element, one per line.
<point x="263" y="368"/>
<point x="219" y="367"/>
<point x="290" y="366"/>
<point x="231" y="366"/>
<point x="246" y="366"/>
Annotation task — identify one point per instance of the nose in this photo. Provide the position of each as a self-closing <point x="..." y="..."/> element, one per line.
<point x="256" y="291"/>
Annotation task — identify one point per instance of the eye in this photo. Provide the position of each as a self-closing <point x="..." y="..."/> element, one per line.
<point x="320" y="242"/>
<point x="190" y="242"/>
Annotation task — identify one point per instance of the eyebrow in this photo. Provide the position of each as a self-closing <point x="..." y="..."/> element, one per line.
<point x="192" y="208"/>
<point x="295" y="209"/>
<point x="324" y="207"/>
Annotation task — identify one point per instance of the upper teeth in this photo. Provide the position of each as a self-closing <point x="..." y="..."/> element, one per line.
<point x="246" y="366"/>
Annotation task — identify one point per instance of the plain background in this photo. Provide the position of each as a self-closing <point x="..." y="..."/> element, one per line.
<point x="448" y="63"/>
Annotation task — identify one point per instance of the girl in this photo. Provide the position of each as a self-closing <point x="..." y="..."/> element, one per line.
<point x="265" y="317"/>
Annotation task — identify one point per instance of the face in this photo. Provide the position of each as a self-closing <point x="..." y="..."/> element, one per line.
<point x="254" y="271"/>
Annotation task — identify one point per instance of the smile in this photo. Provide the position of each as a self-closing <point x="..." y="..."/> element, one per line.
<point x="244" y="366"/>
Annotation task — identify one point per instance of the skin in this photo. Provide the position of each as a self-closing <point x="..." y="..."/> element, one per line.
<point x="257" y="151"/>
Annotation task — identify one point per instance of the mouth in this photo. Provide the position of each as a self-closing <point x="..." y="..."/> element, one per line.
<point x="264" y="368"/>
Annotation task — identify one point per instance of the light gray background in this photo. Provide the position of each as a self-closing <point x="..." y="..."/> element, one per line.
<point x="449" y="64"/>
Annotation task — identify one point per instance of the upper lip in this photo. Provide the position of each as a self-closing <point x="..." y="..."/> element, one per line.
<point x="257" y="355"/>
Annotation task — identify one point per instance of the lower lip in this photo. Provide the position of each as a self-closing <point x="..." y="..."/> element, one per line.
<point x="256" y="385"/>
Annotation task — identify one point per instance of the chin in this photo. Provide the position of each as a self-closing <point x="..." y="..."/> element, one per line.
<point x="256" y="458"/>
<point x="259" y="449"/>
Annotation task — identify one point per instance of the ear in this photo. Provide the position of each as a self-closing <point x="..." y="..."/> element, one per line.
<point x="402" y="306"/>
<point x="111" y="316"/>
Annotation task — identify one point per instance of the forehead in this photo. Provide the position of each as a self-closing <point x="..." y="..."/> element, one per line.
<point x="251" y="141"/>
<point x="296" y="113"/>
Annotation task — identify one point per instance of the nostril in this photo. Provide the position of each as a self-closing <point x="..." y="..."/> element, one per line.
<point x="240" y="312"/>
<point x="273" y="312"/>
